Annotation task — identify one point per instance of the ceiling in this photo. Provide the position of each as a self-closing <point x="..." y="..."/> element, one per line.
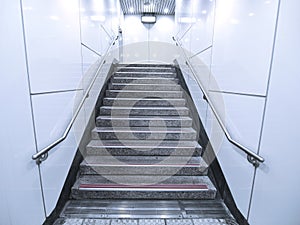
<point x="161" y="7"/>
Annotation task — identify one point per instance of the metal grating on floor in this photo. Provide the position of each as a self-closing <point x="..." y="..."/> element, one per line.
<point x="145" y="222"/>
<point x="143" y="212"/>
<point x="140" y="209"/>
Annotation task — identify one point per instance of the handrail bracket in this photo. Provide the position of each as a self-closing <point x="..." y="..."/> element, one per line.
<point x="41" y="158"/>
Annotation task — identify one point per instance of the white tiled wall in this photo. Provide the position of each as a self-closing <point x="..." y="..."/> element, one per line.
<point x="242" y="47"/>
<point x="38" y="105"/>
<point x="276" y="194"/>
<point x="143" y="42"/>
<point x="20" y="192"/>
<point x="234" y="72"/>
<point x="53" y="44"/>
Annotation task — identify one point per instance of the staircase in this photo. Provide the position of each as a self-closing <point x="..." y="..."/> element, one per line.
<point x="144" y="151"/>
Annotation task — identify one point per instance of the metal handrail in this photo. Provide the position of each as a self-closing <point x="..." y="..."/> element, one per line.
<point x="252" y="157"/>
<point x="43" y="154"/>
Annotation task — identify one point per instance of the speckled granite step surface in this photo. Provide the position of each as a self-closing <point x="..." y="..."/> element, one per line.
<point x="144" y="136"/>
<point x="144" y="80"/>
<point x="145" y="87"/>
<point x="143" y="161"/>
<point x="143" y="148"/>
<point x="143" y="94"/>
<point x="144" y="111"/>
<point x="140" y="121"/>
<point x="144" y="102"/>
<point x="154" y="74"/>
<point x="143" y="165"/>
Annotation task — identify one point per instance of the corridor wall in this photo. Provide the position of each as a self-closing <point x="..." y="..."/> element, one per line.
<point x="144" y="42"/>
<point x="49" y="53"/>
<point x="243" y="64"/>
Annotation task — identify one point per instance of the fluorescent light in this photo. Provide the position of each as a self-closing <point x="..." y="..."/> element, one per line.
<point x="187" y="20"/>
<point x="97" y="18"/>
<point x="148" y="19"/>
<point x="54" y="17"/>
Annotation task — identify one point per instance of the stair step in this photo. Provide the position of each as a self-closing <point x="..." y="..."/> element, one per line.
<point x="134" y="121"/>
<point x="147" y="65"/>
<point x="143" y="94"/>
<point x="143" y="148"/>
<point x="144" y="111"/>
<point x="143" y="187"/>
<point x="143" y="165"/>
<point x="143" y="133"/>
<point x="144" y="80"/>
<point x="145" y="87"/>
<point x="145" y="69"/>
<point x="145" y="74"/>
<point x="143" y="102"/>
<point x="203" y="213"/>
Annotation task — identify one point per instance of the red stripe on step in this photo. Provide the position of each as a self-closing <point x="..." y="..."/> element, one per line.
<point x="155" y="186"/>
<point x="144" y="164"/>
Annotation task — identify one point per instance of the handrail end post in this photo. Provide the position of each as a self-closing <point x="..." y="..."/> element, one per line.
<point x="253" y="161"/>
<point x="41" y="158"/>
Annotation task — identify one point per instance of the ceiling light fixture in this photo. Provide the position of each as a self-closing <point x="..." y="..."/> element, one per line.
<point x="147" y="3"/>
<point x="148" y="19"/>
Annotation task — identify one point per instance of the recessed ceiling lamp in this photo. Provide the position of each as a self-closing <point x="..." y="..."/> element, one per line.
<point x="147" y="3"/>
<point x="148" y="19"/>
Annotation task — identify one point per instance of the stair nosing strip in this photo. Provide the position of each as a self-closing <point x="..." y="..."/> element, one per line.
<point x="145" y="165"/>
<point x="90" y="187"/>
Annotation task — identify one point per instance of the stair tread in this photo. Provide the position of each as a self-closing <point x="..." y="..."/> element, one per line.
<point x="144" y="129"/>
<point x="146" y="99"/>
<point x="145" y="78"/>
<point x="144" y="143"/>
<point x="145" y="91"/>
<point x="152" y="108"/>
<point x="139" y="84"/>
<point x="147" y="64"/>
<point x="158" y="161"/>
<point x="145" y="72"/>
<point x="143" y="67"/>
<point x="120" y="117"/>
<point x="142" y="180"/>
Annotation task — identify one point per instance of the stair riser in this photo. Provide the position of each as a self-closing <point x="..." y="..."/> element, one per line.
<point x="143" y="81"/>
<point x="143" y="87"/>
<point x="145" y="112"/>
<point x="163" y="195"/>
<point x="148" y="70"/>
<point x="121" y="151"/>
<point x="141" y="102"/>
<point x="141" y="94"/>
<point x="142" y="123"/>
<point x="147" y="65"/>
<point x="145" y="170"/>
<point x="135" y="135"/>
<point x="136" y="74"/>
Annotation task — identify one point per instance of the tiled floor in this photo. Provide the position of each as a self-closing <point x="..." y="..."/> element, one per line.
<point x="144" y="222"/>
